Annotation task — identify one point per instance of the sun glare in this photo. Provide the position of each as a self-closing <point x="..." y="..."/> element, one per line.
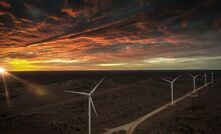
<point x="2" y="70"/>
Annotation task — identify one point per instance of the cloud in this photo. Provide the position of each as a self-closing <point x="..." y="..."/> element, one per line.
<point x="5" y="4"/>
<point x="112" y="64"/>
<point x="22" y="55"/>
<point x="70" y="12"/>
<point x="161" y="60"/>
<point x="104" y="34"/>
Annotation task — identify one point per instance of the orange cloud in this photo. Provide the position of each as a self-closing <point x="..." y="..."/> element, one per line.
<point x="100" y="37"/>
<point x="70" y="12"/>
<point x="5" y="4"/>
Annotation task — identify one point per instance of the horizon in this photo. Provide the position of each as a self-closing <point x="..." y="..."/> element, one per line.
<point x="116" y="70"/>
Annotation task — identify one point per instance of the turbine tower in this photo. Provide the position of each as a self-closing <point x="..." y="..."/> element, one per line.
<point x="205" y="76"/>
<point x="194" y="82"/>
<point x="90" y="103"/>
<point x="172" y="86"/>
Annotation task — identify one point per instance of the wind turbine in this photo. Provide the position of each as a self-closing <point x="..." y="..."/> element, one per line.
<point x="90" y="103"/>
<point x="171" y="84"/>
<point x="194" y="82"/>
<point x="205" y="76"/>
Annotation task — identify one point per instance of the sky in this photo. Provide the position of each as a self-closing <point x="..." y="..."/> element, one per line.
<point x="110" y="34"/>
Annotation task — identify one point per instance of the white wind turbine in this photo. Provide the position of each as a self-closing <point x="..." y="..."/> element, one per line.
<point x="194" y="82"/>
<point x="205" y="77"/>
<point x="172" y="85"/>
<point x="90" y="103"/>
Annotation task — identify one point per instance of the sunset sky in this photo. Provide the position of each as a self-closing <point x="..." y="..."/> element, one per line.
<point x="110" y="34"/>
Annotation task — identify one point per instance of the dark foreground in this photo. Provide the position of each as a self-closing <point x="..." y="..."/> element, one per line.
<point x="200" y="115"/>
<point x="38" y="103"/>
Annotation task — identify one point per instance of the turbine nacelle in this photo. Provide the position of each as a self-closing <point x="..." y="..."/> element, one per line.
<point x="171" y="82"/>
<point x="83" y="93"/>
<point x="193" y="76"/>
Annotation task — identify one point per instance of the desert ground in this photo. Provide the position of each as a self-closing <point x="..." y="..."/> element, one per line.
<point x="38" y="104"/>
<point x="195" y="115"/>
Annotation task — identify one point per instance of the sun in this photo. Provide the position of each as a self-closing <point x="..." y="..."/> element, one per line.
<point x="2" y="70"/>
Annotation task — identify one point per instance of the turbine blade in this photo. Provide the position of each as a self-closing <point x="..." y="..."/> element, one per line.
<point x="96" y="86"/>
<point x="197" y="76"/>
<point x="73" y="92"/>
<point x="190" y="75"/>
<point x="176" y="78"/>
<point x="92" y="103"/>
<point x="165" y="80"/>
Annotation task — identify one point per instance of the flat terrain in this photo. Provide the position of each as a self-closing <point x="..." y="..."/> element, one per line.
<point x="200" y="115"/>
<point x="38" y="103"/>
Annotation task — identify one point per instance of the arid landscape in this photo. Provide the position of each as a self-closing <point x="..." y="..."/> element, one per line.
<point x="38" y="104"/>
<point x="110" y="67"/>
<point x="201" y="115"/>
